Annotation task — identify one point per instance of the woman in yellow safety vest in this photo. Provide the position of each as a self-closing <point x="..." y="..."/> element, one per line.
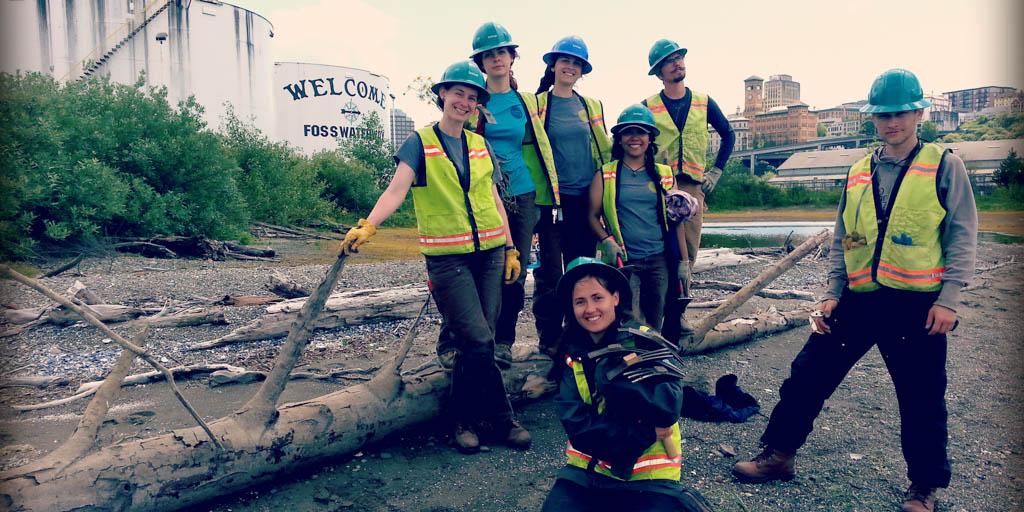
<point x="580" y="145"/>
<point x="624" y="440"/>
<point x="509" y="120"/>
<point x="628" y="214"/>
<point x="464" y="236"/>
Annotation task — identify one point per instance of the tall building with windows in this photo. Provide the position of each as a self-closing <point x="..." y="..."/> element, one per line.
<point x="780" y="91"/>
<point x="976" y="99"/>
<point x="401" y="127"/>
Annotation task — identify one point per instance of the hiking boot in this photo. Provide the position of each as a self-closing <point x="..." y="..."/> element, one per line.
<point x="517" y="437"/>
<point x="503" y="356"/>
<point x="447" y="359"/>
<point x="919" y="499"/>
<point x="769" y="465"/>
<point x="466" y="440"/>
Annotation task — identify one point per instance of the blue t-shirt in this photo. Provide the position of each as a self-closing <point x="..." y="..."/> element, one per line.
<point x="506" y="137"/>
<point x="568" y="130"/>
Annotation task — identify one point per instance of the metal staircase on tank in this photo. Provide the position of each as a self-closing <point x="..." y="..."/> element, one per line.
<point x="93" y="60"/>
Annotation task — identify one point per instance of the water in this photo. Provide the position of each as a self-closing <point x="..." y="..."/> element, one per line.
<point x="759" y="233"/>
<point x="774" y="233"/>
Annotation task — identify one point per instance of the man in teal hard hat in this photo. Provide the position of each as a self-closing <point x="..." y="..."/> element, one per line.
<point x="903" y="247"/>
<point x="682" y="116"/>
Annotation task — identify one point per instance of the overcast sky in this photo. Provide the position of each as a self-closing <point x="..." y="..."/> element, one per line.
<point x="834" y="48"/>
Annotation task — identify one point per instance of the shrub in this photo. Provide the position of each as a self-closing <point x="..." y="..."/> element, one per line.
<point x="276" y="181"/>
<point x="91" y="158"/>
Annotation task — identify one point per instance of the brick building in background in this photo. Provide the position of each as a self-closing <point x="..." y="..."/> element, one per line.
<point x="976" y="99"/>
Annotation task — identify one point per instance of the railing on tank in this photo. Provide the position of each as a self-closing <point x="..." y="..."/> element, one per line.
<point x="121" y="34"/>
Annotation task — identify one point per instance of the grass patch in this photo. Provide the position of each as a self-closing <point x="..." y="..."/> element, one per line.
<point x="24" y="269"/>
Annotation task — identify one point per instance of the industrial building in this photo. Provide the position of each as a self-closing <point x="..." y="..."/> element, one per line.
<point x="215" y="51"/>
<point x="826" y="170"/>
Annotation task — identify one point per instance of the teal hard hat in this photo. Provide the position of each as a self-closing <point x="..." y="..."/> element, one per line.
<point x="587" y="266"/>
<point x="636" y="115"/>
<point x="489" y="36"/>
<point x="464" y="73"/>
<point x="572" y="46"/>
<point x="896" y="90"/>
<point x="661" y="49"/>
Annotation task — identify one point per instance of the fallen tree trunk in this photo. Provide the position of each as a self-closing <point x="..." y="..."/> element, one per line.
<point x="286" y="287"/>
<point x="769" y="293"/>
<point x="179" y="469"/>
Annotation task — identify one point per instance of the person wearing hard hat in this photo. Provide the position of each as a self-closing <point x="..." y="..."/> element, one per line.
<point x="624" y="441"/>
<point x="580" y="146"/>
<point x="628" y="214"/>
<point x="464" y="236"/>
<point x="509" y="120"/>
<point x="904" y="246"/>
<point x="682" y="116"/>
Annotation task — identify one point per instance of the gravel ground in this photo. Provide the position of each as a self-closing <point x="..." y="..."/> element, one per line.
<point x="851" y="461"/>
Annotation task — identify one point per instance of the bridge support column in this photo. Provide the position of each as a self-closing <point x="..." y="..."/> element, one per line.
<point x="753" y="163"/>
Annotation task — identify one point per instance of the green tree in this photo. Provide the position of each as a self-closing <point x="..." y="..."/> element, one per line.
<point x="822" y="131"/>
<point x="1008" y="125"/>
<point x="929" y="132"/>
<point x="420" y="87"/>
<point x="369" y="148"/>
<point x="1011" y="171"/>
<point x="868" y="128"/>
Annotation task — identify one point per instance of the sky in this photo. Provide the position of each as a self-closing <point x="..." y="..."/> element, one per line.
<point x="834" y="48"/>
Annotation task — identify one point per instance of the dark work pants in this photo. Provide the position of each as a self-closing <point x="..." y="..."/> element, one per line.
<point x="894" y="320"/>
<point x="560" y="243"/>
<point x="522" y="216"/>
<point x="671" y="329"/>
<point x="467" y="288"/>
<point x="652" y="273"/>
<point x="567" y="495"/>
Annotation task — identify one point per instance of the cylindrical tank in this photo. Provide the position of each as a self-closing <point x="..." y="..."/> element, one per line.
<point x="218" y="52"/>
<point x="318" y="104"/>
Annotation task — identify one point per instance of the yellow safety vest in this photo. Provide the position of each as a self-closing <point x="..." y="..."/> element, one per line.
<point x="653" y="464"/>
<point x="600" y="144"/>
<point x="910" y="256"/>
<point x="536" y="151"/>
<point x="685" y="152"/>
<point x="453" y="216"/>
<point x="609" y="173"/>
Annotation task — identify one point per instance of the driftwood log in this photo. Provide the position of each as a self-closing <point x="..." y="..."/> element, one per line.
<point x="346" y="309"/>
<point x="252" y="445"/>
<point x="194" y="247"/>
<point x="286" y="287"/>
<point x="769" y="293"/>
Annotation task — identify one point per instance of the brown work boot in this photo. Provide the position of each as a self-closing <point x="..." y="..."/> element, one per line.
<point x="919" y="499"/>
<point x="769" y="465"/>
<point x="466" y="440"/>
<point x="516" y="436"/>
<point x="447" y="359"/>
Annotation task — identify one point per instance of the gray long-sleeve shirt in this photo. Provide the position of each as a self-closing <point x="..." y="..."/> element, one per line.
<point x="959" y="236"/>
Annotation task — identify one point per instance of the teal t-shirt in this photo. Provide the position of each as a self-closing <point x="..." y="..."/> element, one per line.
<point x="506" y="137"/>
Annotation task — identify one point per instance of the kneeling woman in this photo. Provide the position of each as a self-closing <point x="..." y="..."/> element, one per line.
<point x="464" y="236"/>
<point x="618" y="430"/>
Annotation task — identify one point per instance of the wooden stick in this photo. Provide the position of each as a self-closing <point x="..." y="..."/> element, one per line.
<point x="88" y="317"/>
<point x="769" y="293"/>
<point x="748" y="291"/>
<point x="64" y="268"/>
<point x="261" y="409"/>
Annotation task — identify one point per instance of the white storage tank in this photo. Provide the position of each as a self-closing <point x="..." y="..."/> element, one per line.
<point x="317" y="104"/>
<point x="213" y="50"/>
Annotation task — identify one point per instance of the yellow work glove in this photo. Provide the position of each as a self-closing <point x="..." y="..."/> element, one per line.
<point x="512" y="267"/>
<point x="358" y="235"/>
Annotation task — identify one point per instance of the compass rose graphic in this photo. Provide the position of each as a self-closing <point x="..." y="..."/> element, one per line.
<point x="350" y="111"/>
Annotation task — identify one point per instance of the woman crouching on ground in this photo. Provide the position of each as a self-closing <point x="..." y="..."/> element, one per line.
<point x="621" y="433"/>
<point x="465" y="240"/>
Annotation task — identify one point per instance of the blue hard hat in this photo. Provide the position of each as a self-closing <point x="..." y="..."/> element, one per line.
<point x="896" y="90"/>
<point x="572" y="46"/>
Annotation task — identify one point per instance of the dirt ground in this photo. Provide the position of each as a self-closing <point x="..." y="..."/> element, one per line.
<point x="851" y="461"/>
